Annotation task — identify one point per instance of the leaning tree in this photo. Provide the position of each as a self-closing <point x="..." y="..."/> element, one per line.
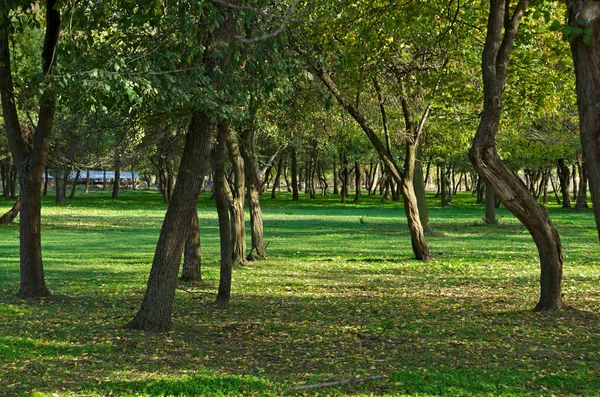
<point x="502" y="28"/>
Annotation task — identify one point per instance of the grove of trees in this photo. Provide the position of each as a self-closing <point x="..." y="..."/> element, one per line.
<point x="238" y="96"/>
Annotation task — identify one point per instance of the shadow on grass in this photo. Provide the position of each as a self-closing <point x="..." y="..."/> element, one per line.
<point x="470" y="342"/>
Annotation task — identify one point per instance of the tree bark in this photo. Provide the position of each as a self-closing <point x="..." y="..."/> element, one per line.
<point x="403" y="177"/>
<point x="294" y="171"/>
<point x="585" y="14"/>
<point x="419" y="186"/>
<point x="117" y="179"/>
<point x="87" y="181"/>
<point x="237" y="196"/>
<point x="218" y="156"/>
<point x="30" y="158"/>
<point x="501" y="31"/>
<point x="564" y="176"/>
<point x="192" y="258"/>
<point x="254" y="186"/>
<point x="156" y="309"/>
<point x="345" y="177"/>
<point x="46" y="174"/>
<point x="277" y="182"/>
<point x="12" y="213"/>
<point x="581" y="203"/>
<point x="444" y="187"/>
<point x="59" y="184"/>
<point x="4" y="171"/>
<point x="490" y="206"/>
<point x="74" y="185"/>
<point x="336" y="190"/>
<point x="356" y="182"/>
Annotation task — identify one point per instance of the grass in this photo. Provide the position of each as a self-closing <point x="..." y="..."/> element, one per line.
<point x="338" y="298"/>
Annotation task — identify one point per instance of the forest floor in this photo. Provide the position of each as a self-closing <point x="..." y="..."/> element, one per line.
<point x="338" y="298"/>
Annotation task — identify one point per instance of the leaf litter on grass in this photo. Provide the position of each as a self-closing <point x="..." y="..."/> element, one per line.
<point x="348" y="304"/>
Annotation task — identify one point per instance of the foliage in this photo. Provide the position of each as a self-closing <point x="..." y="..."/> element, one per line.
<point x="335" y="299"/>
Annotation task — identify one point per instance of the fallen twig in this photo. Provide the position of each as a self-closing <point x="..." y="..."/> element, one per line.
<point x="340" y="382"/>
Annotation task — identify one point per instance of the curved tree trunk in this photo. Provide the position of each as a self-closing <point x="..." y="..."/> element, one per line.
<point x="403" y="177"/>
<point x="237" y="196"/>
<point x="192" y="259"/>
<point x="12" y="213"/>
<point x="419" y="187"/>
<point x="511" y="191"/>
<point x="277" y="182"/>
<point x="74" y="185"/>
<point x="585" y="14"/>
<point x="254" y="185"/>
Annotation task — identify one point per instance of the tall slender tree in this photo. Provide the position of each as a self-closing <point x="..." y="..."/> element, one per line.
<point x="30" y="150"/>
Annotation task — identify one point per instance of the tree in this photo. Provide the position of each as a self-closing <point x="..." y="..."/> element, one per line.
<point x="30" y="151"/>
<point x="156" y="309"/>
<point x="502" y="29"/>
<point x="583" y="32"/>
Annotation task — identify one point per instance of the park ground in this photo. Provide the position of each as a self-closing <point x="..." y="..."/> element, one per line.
<point x="338" y="298"/>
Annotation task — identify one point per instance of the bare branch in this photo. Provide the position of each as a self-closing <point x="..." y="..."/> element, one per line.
<point x="274" y="33"/>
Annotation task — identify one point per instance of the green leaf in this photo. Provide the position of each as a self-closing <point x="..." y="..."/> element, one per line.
<point x="555" y="26"/>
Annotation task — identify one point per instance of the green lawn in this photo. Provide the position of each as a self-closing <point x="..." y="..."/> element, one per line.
<point x="336" y="299"/>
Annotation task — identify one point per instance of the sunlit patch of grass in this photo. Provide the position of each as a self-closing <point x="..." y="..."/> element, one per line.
<point x="336" y="299"/>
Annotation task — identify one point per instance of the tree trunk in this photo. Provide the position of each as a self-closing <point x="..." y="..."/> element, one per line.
<point x="419" y="186"/>
<point x="336" y="190"/>
<point x="581" y="203"/>
<point x="564" y="176"/>
<point x="46" y="174"/>
<point x="74" y="185"/>
<point x="237" y="196"/>
<point x="575" y="186"/>
<point x="87" y="182"/>
<point x="59" y="182"/>
<point x="501" y="31"/>
<point x="490" y="206"/>
<point x="345" y="177"/>
<point x="444" y="187"/>
<point x="117" y="180"/>
<point x="277" y="182"/>
<point x="585" y="14"/>
<point x="30" y="156"/>
<point x="4" y="173"/>
<point x="132" y="176"/>
<point x="12" y="213"/>
<point x="192" y="259"/>
<point x="357" y="176"/>
<point x="295" y="194"/>
<point x="253" y="186"/>
<point x="218" y="156"/>
<point x="156" y="309"/>
<point x="403" y="177"/>
<point x="104" y="181"/>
